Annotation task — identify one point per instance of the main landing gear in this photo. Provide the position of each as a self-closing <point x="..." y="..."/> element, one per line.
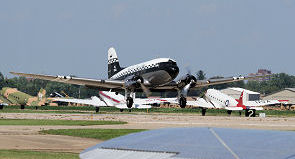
<point x="129" y="102"/>
<point x="182" y="102"/>
<point x="229" y="112"/>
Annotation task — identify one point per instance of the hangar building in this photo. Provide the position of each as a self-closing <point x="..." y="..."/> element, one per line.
<point x="236" y="93"/>
<point x="286" y="94"/>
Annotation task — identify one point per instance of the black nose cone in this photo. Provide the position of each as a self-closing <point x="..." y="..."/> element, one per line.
<point x="173" y="71"/>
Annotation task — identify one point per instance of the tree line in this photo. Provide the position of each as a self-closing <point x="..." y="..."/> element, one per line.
<point x="32" y="86"/>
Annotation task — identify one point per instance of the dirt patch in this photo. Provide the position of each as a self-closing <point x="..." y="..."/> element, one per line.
<point x="28" y="137"/>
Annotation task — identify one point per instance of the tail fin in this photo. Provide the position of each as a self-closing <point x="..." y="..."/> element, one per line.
<point x="113" y="62"/>
<point x="42" y="94"/>
<point x="240" y="101"/>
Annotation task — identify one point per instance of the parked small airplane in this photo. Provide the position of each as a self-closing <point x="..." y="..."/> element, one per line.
<point x="16" y="97"/>
<point x="111" y="99"/>
<point x="153" y="75"/>
<point x="216" y="99"/>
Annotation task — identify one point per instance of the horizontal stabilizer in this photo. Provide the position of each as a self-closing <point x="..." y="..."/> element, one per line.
<point x="234" y="108"/>
<point x="257" y="108"/>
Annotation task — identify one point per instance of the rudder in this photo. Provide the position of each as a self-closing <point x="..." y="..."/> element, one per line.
<point x="113" y="62"/>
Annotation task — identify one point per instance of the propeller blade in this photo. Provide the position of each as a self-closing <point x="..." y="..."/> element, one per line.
<point x="145" y="90"/>
<point x="186" y="88"/>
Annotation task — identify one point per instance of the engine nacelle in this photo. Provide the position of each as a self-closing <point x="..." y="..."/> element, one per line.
<point x="185" y="80"/>
<point x="133" y="82"/>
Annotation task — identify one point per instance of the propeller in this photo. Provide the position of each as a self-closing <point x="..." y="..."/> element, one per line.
<point x="146" y="91"/>
<point x="136" y="82"/>
<point x="187" y="82"/>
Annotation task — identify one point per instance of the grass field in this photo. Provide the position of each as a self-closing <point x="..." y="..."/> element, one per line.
<point x="56" y="122"/>
<point x="23" y="154"/>
<point x="101" y="134"/>
<point x="105" y="110"/>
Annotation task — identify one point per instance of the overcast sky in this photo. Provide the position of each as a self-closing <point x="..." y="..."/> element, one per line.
<point x="221" y="37"/>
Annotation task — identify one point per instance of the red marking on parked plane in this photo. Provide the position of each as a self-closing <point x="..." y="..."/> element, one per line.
<point x="283" y="100"/>
<point x="115" y="100"/>
<point x="240" y="101"/>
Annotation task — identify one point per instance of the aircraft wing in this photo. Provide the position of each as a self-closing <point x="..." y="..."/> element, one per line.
<point x="262" y="103"/>
<point x="200" y="102"/>
<point x="209" y="82"/>
<point x="119" y="84"/>
<point x="106" y="84"/>
<point x="94" y="101"/>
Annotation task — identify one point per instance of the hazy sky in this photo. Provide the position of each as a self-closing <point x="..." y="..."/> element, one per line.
<point x="221" y="37"/>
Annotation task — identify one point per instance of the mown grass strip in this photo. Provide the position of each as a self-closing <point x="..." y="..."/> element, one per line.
<point x="90" y="109"/>
<point x="24" y="154"/>
<point x="101" y="134"/>
<point x="56" y="122"/>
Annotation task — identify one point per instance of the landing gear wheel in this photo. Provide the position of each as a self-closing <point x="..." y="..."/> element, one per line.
<point x="229" y="112"/>
<point x="129" y="110"/>
<point x="96" y="109"/>
<point x="129" y="102"/>
<point x="182" y="102"/>
<point x="1" y="107"/>
<point x="121" y="110"/>
<point x="240" y="113"/>
<point x="203" y="111"/>
<point x="22" y="107"/>
<point x="36" y="107"/>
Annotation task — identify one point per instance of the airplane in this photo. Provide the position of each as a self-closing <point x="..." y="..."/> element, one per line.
<point x="16" y="97"/>
<point x="3" y="101"/>
<point x="218" y="100"/>
<point x="2" y="104"/>
<point x="154" y="75"/>
<point x="114" y="99"/>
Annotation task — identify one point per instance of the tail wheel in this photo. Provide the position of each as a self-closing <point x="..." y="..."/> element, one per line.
<point x="203" y="111"/>
<point x="129" y="102"/>
<point x="22" y="107"/>
<point x="182" y="102"/>
<point x="96" y="109"/>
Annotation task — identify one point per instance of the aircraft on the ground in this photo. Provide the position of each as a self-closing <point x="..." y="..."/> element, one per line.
<point x="153" y="75"/>
<point x="3" y="101"/>
<point x="113" y="99"/>
<point x="216" y="99"/>
<point x="16" y="97"/>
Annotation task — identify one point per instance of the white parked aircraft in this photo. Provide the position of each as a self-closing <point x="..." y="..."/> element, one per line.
<point x="219" y="100"/>
<point x="113" y="99"/>
<point x="154" y="75"/>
